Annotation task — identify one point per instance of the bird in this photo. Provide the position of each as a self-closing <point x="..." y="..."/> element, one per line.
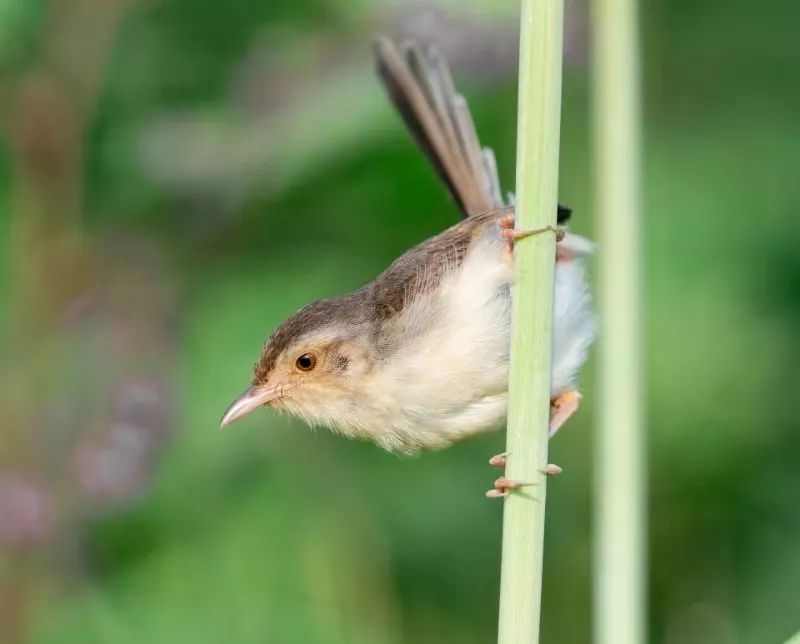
<point x="418" y="358"/>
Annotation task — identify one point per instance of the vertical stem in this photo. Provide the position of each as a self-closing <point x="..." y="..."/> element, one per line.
<point x="795" y="639"/>
<point x="539" y="121"/>
<point x="620" y="485"/>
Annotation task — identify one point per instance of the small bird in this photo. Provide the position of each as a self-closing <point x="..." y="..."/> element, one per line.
<point x="419" y="357"/>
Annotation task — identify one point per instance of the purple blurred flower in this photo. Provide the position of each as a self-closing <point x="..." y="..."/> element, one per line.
<point x="116" y="467"/>
<point x="27" y="515"/>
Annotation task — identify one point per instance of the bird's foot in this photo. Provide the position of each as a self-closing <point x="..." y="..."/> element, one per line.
<point x="562" y="407"/>
<point x="503" y="485"/>
<point x="499" y="460"/>
<point x="551" y="469"/>
<point x="511" y="234"/>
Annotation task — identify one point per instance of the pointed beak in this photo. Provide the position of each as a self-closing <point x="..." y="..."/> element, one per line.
<point x="255" y="397"/>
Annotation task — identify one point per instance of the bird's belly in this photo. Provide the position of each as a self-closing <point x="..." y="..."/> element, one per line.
<point x="473" y="417"/>
<point x="432" y="426"/>
<point x="451" y="382"/>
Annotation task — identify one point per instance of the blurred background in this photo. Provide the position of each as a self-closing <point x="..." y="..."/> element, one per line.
<point x="177" y="176"/>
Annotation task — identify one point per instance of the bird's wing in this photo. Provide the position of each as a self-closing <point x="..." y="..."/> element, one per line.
<point x="422" y="268"/>
<point x="421" y="87"/>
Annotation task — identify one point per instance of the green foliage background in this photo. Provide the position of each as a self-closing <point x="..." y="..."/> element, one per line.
<point x="272" y="533"/>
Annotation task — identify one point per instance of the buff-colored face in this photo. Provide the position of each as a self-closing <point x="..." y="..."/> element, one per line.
<point x="311" y="377"/>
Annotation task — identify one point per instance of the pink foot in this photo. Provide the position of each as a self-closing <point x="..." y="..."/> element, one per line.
<point x="511" y="234"/>
<point x="563" y="406"/>
<point x="503" y="487"/>
<point x="499" y="460"/>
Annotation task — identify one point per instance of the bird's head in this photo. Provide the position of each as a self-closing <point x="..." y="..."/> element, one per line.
<point x="310" y="366"/>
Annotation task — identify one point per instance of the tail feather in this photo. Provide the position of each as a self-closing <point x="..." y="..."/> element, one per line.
<point x="421" y="87"/>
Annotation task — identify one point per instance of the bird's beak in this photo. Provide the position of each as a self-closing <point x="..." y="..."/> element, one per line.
<point x="253" y="398"/>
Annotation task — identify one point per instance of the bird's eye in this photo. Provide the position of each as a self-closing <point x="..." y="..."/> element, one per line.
<point x="306" y="362"/>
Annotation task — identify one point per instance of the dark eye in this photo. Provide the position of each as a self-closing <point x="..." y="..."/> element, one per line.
<point x="306" y="362"/>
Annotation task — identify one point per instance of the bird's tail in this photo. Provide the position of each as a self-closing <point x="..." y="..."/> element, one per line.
<point x="421" y="87"/>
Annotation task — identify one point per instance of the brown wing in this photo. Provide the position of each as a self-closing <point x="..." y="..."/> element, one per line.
<point x="421" y="269"/>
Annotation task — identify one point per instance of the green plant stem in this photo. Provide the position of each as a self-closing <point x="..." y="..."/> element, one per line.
<point x="795" y="639"/>
<point x="620" y="478"/>
<point x="539" y="123"/>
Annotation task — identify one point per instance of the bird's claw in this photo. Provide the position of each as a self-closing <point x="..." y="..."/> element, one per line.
<point x="562" y="407"/>
<point x="500" y="460"/>
<point x="503" y="487"/>
<point x="511" y="234"/>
